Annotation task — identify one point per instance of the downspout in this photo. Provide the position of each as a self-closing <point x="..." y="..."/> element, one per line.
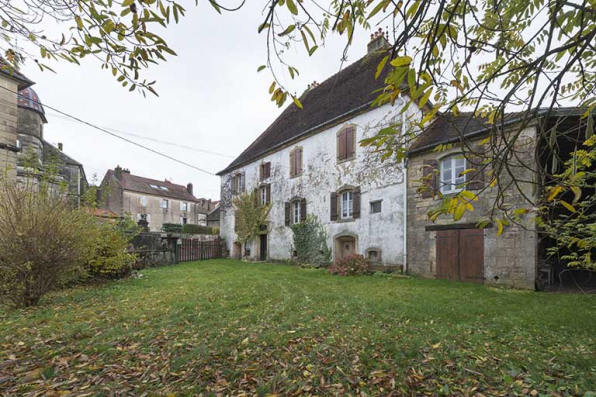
<point x="405" y="230"/>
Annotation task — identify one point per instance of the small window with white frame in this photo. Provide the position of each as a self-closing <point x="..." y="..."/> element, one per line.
<point x="375" y="206"/>
<point x="347" y="204"/>
<point x="452" y="173"/>
<point x="183" y="206"/>
<point x="296" y="215"/>
<point x="165" y="204"/>
<point x="144" y="201"/>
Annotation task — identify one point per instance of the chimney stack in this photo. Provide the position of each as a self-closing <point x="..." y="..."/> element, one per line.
<point x="189" y="189"/>
<point x="378" y="41"/>
<point x="118" y="172"/>
<point x="60" y="146"/>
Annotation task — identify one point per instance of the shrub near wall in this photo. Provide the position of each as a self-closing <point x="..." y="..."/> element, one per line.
<point x="351" y="265"/>
<point x="310" y="242"/>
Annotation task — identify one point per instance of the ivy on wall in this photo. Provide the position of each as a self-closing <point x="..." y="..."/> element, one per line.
<point x="310" y="242"/>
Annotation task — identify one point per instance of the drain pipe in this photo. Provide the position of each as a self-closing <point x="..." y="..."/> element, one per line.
<point x="405" y="200"/>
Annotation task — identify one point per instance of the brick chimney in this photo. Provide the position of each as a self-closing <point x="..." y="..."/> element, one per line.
<point x="118" y="172"/>
<point x="378" y="41"/>
<point x="189" y="188"/>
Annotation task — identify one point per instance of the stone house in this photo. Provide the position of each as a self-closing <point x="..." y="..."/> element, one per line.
<point x="23" y="122"/>
<point x="461" y="250"/>
<point x="309" y="162"/>
<point x="11" y="81"/>
<point x="214" y="214"/>
<point x="155" y="201"/>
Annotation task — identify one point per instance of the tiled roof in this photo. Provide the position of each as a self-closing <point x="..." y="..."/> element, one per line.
<point x="9" y="70"/>
<point x="28" y="99"/>
<point x="143" y="185"/>
<point x="448" y="128"/>
<point x="340" y="96"/>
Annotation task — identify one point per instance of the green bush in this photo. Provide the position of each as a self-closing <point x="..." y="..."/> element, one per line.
<point x="110" y="257"/>
<point x="196" y="229"/>
<point x="171" y="228"/>
<point x="310" y="242"/>
<point x="44" y="241"/>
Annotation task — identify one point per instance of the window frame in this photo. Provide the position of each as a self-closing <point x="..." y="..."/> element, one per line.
<point x="183" y="206"/>
<point x="296" y="212"/>
<point x="166" y="202"/>
<point x="349" y="213"/>
<point x="372" y="204"/>
<point x="144" y="200"/>
<point x="238" y="182"/>
<point x="451" y="186"/>
<point x="263" y="195"/>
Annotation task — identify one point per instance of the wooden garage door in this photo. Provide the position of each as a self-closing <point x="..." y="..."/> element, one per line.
<point x="460" y="255"/>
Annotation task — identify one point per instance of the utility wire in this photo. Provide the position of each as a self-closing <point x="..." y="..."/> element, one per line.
<point x="153" y="139"/>
<point x="113" y="134"/>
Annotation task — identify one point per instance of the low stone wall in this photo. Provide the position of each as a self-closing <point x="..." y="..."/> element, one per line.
<point x="154" y="249"/>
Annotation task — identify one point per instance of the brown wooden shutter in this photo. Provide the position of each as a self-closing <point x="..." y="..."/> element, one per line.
<point x="432" y="182"/>
<point x="234" y="184"/>
<point x="268" y="194"/>
<point x="299" y="162"/>
<point x="350" y="138"/>
<point x="475" y="178"/>
<point x="257" y="197"/>
<point x="243" y="182"/>
<point x="267" y="169"/>
<point x="341" y="144"/>
<point x="261" y="172"/>
<point x="293" y="163"/>
<point x="333" y="206"/>
<point x="356" y="203"/>
<point x="302" y="210"/>
<point x="287" y="208"/>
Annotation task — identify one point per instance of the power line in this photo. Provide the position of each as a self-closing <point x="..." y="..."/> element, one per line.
<point x="114" y="135"/>
<point x="155" y="139"/>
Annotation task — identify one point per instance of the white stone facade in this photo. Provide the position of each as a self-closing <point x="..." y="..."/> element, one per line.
<point x="322" y="174"/>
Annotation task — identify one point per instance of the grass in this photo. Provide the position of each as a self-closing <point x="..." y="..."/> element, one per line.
<point x="231" y="328"/>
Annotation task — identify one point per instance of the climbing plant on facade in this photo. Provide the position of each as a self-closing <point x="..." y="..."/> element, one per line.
<point x="310" y="242"/>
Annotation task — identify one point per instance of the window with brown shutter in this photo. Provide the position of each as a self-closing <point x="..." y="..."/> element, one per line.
<point x="264" y="171"/>
<point x="333" y="202"/>
<point x="287" y="213"/>
<point x="268" y="193"/>
<point x="302" y="210"/>
<point x="346" y="140"/>
<point x="296" y="162"/>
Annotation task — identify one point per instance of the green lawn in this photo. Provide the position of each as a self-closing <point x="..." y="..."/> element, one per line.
<point x="230" y="327"/>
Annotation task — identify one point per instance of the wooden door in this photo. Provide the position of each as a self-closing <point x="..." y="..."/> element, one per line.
<point x="460" y="255"/>
<point x="447" y="255"/>
<point x="471" y="255"/>
<point x="263" y="247"/>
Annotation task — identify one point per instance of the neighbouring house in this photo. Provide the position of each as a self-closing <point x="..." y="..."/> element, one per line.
<point x="32" y="155"/>
<point x="214" y="214"/>
<point x="11" y="81"/>
<point x="155" y="201"/>
<point x="460" y="250"/>
<point x="309" y="162"/>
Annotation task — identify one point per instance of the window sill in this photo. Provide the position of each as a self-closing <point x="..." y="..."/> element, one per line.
<point x="295" y="176"/>
<point x="346" y="160"/>
<point x="346" y="220"/>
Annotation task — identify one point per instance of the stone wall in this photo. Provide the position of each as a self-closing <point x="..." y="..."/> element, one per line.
<point x="8" y="127"/>
<point x="509" y="259"/>
<point x="154" y="249"/>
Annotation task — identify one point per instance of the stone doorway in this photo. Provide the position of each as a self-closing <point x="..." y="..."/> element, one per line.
<point x="344" y="246"/>
<point x="237" y="251"/>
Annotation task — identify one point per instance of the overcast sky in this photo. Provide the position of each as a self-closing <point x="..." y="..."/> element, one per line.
<point x="211" y="98"/>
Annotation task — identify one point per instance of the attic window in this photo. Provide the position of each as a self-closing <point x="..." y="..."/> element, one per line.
<point x="154" y="186"/>
<point x="164" y="188"/>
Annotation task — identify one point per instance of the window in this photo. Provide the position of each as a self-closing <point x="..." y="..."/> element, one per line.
<point x="373" y="255"/>
<point x="183" y="221"/>
<point x="296" y="162"/>
<point x="451" y="173"/>
<point x="183" y="206"/>
<point x="154" y="186"/>
<point x="164" y="188"/>
<point x="347" y="205"/>
<point x="238" y="183"/>
<point x="164" y="204"/>
<point x="264" y="171"/>
<point x="144" y="201"/>
<point x="375" y="207"/>
<point x="263" y="195"/>
<point x="346" y="140"/>
<point x="296" y="212"/>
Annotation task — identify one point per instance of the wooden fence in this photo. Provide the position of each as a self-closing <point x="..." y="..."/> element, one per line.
<point x="195" y="250"/>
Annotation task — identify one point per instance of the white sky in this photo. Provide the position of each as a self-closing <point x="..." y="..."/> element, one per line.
<point x="211" y="98"/>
